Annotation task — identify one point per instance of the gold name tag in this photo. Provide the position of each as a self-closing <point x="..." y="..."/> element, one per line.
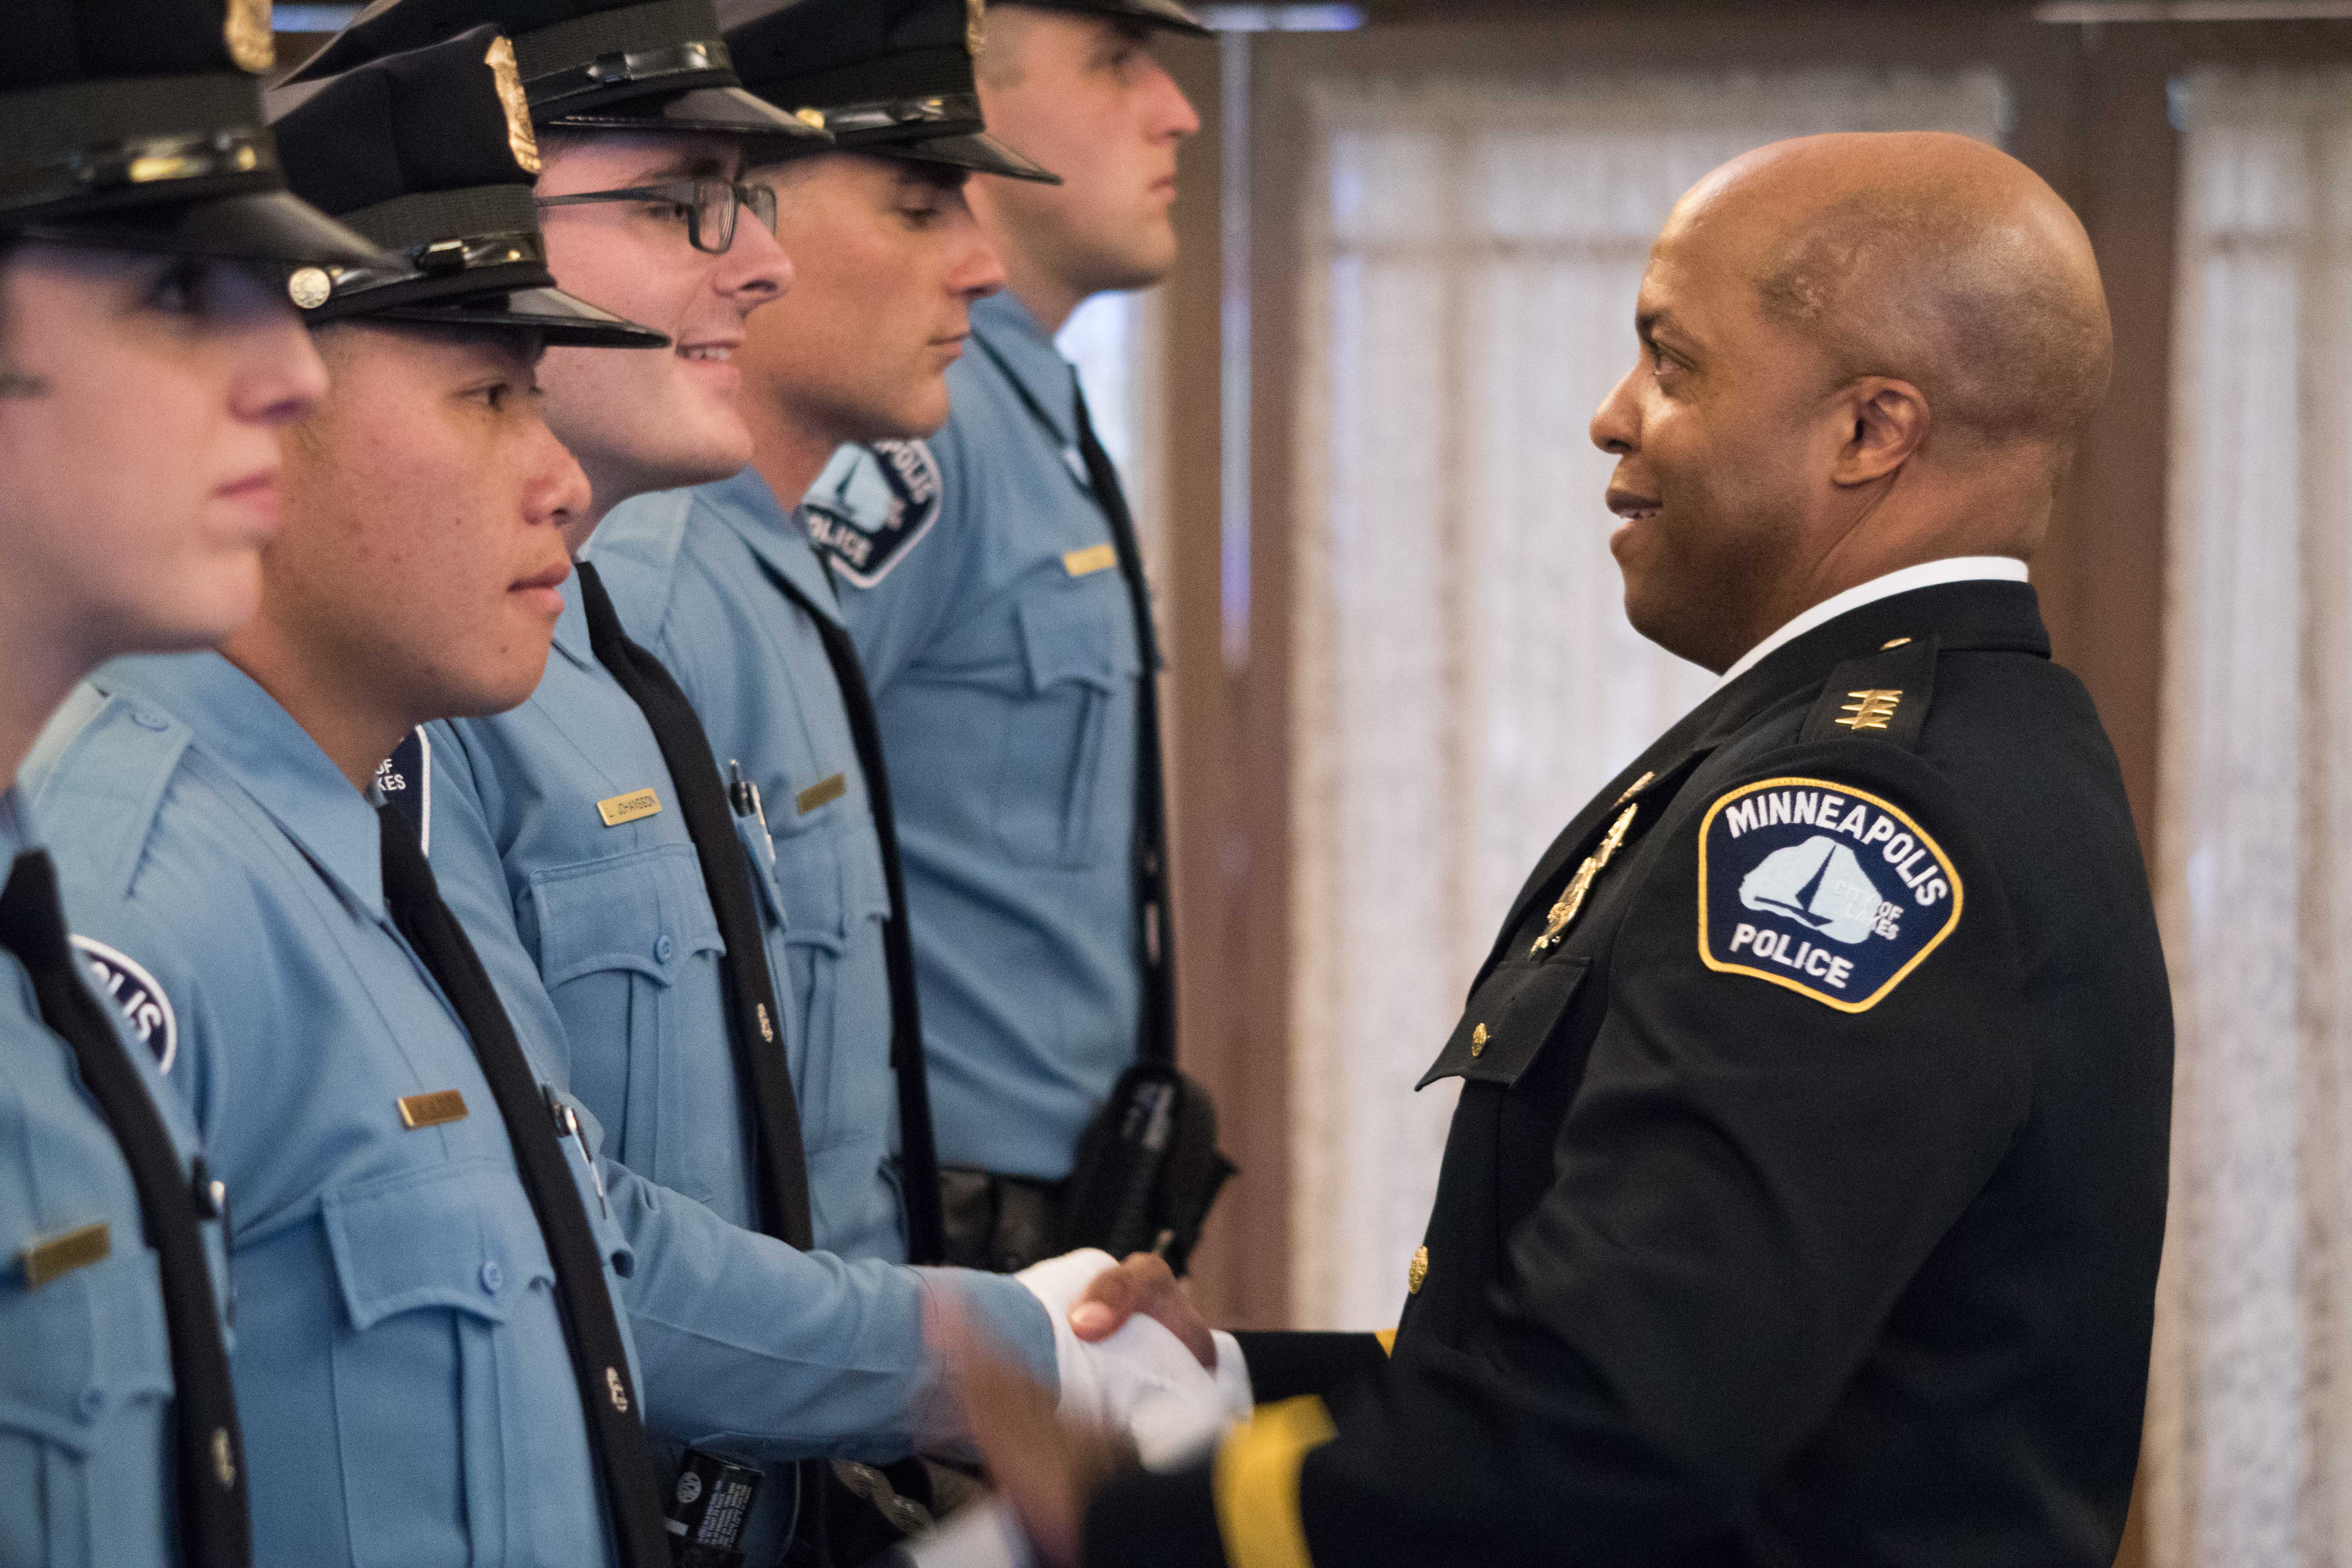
<point x="432" y="1109"/>
<point x="54" y="1256"/>
<point x="629" y="807"/>
<point x="821" y="793"/>
<point x="1083" y="563"/>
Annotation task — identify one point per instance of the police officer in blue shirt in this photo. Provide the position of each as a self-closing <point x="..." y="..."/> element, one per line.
<point x="147" y="356"/>
<point x="428" y="1251"/>
<point x="1000" y="609"/>
<point x="724" y="583"/>
<point x="617" y="893"/>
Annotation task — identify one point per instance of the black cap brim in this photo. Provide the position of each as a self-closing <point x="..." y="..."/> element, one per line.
<point x="1165" y="15"/>
<point x="259" y="226"/>
<point x="727" y="111"/>
<point x="564" y="320"/>
<point x="979" y="152"/>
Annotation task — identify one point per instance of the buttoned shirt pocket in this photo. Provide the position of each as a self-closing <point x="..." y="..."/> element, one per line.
<point x="615" y="935"/>
<point x="1079" y="654"/>
<point x="434" y="1266"/>
<point x="1509" y="1020"/>
<point x="85" y="1384"/>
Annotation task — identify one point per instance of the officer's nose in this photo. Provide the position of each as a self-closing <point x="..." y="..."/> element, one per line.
<point x="755" y="268"/>
<point x="279" y="376"/>
<point x="1617" y="422"/>
<point x="1171" y="114"/>
<point x="559" y="491"/>
<point x="978" y="271"/>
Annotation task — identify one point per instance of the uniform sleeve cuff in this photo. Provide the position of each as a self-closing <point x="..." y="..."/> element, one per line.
<point x="1149" y="1520"/>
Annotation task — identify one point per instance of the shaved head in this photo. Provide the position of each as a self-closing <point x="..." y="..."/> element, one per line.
<point x="1935" y="260"/>
<point x="1860" y="352"/>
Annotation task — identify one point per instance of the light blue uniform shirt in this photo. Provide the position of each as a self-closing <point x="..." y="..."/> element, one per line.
<point x="997" y="633"/>
<point x="406" y="1388"/>
<point x="605" y="936"/>
<point x="626" y="943"/>
<point x="693" y="576"/>
<point x="86" y="1437"/>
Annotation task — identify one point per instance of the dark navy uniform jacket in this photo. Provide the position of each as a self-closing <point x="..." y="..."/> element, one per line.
<point x="1804" y="1197"/>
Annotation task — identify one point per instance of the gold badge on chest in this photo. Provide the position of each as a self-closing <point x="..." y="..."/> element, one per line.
<point x="1580" y="886"/>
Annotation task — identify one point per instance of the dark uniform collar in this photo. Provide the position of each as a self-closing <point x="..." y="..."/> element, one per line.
<point x="1977" y="615"/>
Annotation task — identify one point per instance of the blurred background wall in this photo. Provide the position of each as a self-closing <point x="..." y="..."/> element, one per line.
<point x="1354" y="423"/>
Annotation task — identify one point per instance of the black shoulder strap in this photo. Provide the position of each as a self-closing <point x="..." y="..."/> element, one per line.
<point x="1883" y="696"/>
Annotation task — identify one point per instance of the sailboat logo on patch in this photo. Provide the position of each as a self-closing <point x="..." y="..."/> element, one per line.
<point x="1821" y="887"/>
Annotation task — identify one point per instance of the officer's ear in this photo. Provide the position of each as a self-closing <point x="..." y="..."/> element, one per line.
<point x="1884" y="422"/>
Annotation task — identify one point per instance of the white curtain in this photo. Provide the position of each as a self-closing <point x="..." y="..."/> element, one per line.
<point x="2250" y="1433"/>
<point x="1465" y="677"/>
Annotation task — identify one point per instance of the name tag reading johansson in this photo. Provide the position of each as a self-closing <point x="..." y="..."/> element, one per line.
<point x="634" y="806"/>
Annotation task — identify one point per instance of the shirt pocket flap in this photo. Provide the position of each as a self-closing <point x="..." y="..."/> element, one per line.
<point x="1084" y="632"/>
<point x="1509" y="1020"/>
<point x="646" y="911"/>
<point x="461" y="1237"/>
<point x="81" y="1345"/>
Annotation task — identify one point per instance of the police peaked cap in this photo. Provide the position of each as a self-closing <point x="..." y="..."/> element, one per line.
<point x="137" y="124"/>
<point x="1162" y="14"/>
<point x="643" y="64"/>
<point x="890" y="77"/>
<point x="429" y="155"/>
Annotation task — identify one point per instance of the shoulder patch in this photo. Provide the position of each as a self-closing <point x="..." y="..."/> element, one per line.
<point x="1822" y="888"/>
<point x="404" y="779"/>
<point x="125" y="985"/>
<point x="876" y="513"/>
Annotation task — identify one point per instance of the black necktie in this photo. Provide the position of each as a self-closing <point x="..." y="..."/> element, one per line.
<point x="918" y="1158"/>
<point x="607" y="1397"/>
<point x="1155" y="933"/>
<point x="214" y="1530"/>
<point x="753" y="1021"/>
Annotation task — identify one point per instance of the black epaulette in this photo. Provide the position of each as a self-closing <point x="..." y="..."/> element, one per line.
<point x="1881" y="697"/>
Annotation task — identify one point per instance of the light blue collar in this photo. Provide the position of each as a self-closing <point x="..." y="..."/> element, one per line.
<point x="747" y="505"/>
<point x="1009" y="336"/>
<point x="241" y="727"/>
<point x="12" y="830"/>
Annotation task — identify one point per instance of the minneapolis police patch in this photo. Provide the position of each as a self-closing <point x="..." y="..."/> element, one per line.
<point x="125" y="985"/>
<point x="1822" y="888"/>
<point x="865" y="526"/>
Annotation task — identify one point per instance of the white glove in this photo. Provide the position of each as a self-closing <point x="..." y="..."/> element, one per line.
<point x="1140" y="1380"/>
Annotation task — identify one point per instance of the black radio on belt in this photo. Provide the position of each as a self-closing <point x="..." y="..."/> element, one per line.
<point x="708" y="1510"/>
<point x="1148" y="1168"/>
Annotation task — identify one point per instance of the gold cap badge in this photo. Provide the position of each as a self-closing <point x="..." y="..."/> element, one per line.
<point x="524" y="145"/>
<point x="246" y="32"/>
<point x="310" y="288"/>
<point x="975" y="26"/>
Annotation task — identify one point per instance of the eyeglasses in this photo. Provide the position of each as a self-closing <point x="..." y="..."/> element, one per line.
<point x="710" y="204"/>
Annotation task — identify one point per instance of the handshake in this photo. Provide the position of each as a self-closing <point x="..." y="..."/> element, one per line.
<point x="1144" y="1380"/>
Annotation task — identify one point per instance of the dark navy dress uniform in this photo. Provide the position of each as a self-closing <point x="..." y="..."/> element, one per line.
<point x="1805" y="1194"/>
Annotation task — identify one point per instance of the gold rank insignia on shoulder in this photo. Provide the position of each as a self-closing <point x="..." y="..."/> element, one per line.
<point x="630" y="807"/>
<point x="1564" y="912"/>
<point x="1823" y="889"/>
<point x="1417" y="1271"/>
<point x="442" y="1106"/>
<point x="54" y="1257"/>
<point x="1869" y="710"/>
<point x="247" y="31"/>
